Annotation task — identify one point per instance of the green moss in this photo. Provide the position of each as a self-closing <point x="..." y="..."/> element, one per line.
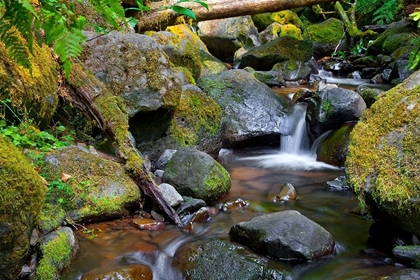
<point x="56" y="255"/>
<point x="217" y="181"/>
<point x="384" y="152"/>
<point x="32" y="96"/>
<point x="262" y="21"/>
<point x="51" y="217"/>
<point x="328" y="32"/>
<point x="291" y="31"/>
<point x="287" y="17"/>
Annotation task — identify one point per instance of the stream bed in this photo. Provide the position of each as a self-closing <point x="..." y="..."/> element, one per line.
<point x="115" y="244"/>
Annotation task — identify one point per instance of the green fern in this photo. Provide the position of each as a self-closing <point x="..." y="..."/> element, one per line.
<point x="383" y="11"/>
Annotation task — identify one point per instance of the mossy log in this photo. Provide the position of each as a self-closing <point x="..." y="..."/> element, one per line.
<point x="92" y="98"/>
<point x="159" y="19"/>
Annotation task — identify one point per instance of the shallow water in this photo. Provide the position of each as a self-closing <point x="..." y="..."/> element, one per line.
<point x="117" y="243"/>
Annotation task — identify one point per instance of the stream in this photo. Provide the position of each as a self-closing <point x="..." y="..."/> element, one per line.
<point x="257" y="175"/>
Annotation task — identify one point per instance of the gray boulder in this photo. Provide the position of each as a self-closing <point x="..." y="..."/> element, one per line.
<point x="134" y="67"/>
<point x="329" y="109"/>
<point x="252" y="112"/>
<point x="218" y="259"/>
<point x="284" y="235"/>
<point x="293" y="70"/>
<point x="196" y="174"/>
<point x="407" y="255"/>
<point x="223" y="37"/>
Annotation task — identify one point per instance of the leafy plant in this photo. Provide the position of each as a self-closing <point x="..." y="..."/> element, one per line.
<point x="414" y="59"/>
<point x="185" y="11"/>
<point x="60" y="192"/>
<point x="383" y="11"/>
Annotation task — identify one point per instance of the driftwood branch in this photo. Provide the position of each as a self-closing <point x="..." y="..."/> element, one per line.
<point x="160" y="19"/>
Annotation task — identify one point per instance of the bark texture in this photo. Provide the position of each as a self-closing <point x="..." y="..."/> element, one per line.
<point x="160" y="19"/>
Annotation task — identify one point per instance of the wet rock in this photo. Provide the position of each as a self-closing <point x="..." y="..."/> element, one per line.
<point x="134" y="67"/>
<point x="132" y="272"/>
<point x="287" y="192"/>
<point x="302" y="95"/>
<point x="404" y="274"/>
<point x="252" y="112"/>
<point x="223" y="37"/>
<point x="189" y="206"/>
<point x="147" y="224"/>
<point x="284" y="235"/>
<point x="278" y="50"/>
<point x="264" y="20"/>
<point x="395" y="41"/>
<point x="196" y="174"/>
<point x="270" y="33"/>
<point x="196" y="122"/>
<point x="333" y="148"/>
<point x="407" y="255"/>
<point x="270" y="78"/>
<point x="217" y="259"/>
<point x="400" y="70"/>
<point x="338" y="184"/>
<point x="235" y="205"/>
<point x="100" y="188"/>
<point x="386" y="75"/>
<point x="170" y="194"/>
<point x="293" y="70"/>
<point x="331" y="108"/>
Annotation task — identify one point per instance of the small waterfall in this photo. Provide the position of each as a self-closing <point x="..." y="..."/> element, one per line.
<point x="294" y="138"/>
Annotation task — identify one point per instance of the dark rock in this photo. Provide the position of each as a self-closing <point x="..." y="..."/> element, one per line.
<point x="287" y="192"/>
<point x="252" y="112"/>
<point x="164" y="158"/>
<point x="407" y="255"/>
<point x="284" y="235"/>
<point x="338" y="184"/>
<point x="331" y="108"/>
<point x="190" y="206"/>
<point x="217" y="259"/>
<point x="369" y="95"/>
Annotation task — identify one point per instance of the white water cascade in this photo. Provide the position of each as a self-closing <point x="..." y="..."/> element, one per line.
<point x="295" y="152"/>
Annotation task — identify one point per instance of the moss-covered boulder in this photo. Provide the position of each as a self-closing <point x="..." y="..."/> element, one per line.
<point x="293" y="70"/>
<point x="223" y="37"/>
<point x="134" y="67"/>
<point x="395" y="41"/>
<point x="22" y="194"/>
<point x="369" y="95"/>
<point x="252" y="112"/>
<point x="262" y="21"/>
<point x="326" y="36"/>
<point x="185" y="49"/>
<point x="384" y="156"/>
<point x="196" y="174"/>
<point x="91" y="189"/>
<point x="196" y="122"/>
<point x="58" y="248"/>
<point x="34" y="96"/>
<point x="220" y="259"/>
<point x="278" y="50"/>
<point x="333" y="149"/>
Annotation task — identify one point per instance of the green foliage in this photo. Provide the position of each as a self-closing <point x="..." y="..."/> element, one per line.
<point x="383" y="11"/>
<point x="184" y="11"/>
<point x="414" y="60"/>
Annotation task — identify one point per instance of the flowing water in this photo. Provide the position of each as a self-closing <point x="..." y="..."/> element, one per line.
<point x="256" y="177"/>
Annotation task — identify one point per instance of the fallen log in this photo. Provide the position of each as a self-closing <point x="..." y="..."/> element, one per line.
<point x="160" y="19"/>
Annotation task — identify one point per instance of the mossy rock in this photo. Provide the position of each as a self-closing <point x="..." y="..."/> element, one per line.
<point x="262" y="21"/>
<point x="185" y="49"/>
<point x="325" y="36"/>
<point x="135" y="68"/>
<point x="395" y="41"/>
<point x="58" y="249"/>
<point x="376" y="47"/>
<point x="196" y="174"/>
<point x="384" y="155"/>
<point x="98" y="188"/>
<point x="291" y="31"/>
<point x="32" y="96"/>
<point x="21" y="198"/>
<point x="369" y="95"/>
<point x="333" y="149"/>
<point x="278" y="50"/>
<point x="196" y="122"/>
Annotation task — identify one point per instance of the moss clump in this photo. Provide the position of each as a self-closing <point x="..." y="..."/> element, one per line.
<point x="327" y="32"/>
<point x="291" y="31"/>
<point x="384" y="154"/>
<point x="56" y="255"/>
<point x="287" y="17"/>
<point x="32" y="96"/>
<point x="21" y="198"/>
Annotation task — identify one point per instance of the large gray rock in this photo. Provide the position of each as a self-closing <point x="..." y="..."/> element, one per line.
<point x="252" y="112"/>
<point x="223" y="37"/>
<point x="384" y="156"/>
<point x="329" y="109"/>
<point x="284" y="235"/>
<point x="134" y="67"/>
<point x="278" y="50"/>
<point x="218" y="259"/>
<point x="196" y="174"/>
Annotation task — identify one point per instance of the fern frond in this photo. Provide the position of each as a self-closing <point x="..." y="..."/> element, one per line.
<point x="111" y="10"/>
<point x="69" y="46"/>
